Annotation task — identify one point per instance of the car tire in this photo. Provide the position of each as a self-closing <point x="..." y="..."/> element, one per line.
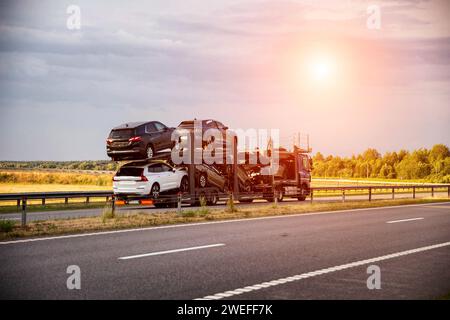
<point x="202" y="180"/>
<point x="184" y="185"/>
<point x="149" y="152"/>
<point x="154" y="191"/>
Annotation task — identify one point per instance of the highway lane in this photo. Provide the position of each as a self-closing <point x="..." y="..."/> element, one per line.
<point x="65" y="214"/>
<point x="201" y="260"/>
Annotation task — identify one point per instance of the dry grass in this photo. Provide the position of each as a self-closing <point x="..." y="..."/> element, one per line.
<point x="140" y="219"/>
<point x="49" y="178"/>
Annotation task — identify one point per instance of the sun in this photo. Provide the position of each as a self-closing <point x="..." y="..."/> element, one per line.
<point x="321" y="69"/>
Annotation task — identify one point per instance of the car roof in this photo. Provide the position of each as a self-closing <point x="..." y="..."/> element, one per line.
<point x="130" y="125"/>
<point x="191" y="122"/>
<point x="143" y="163"/>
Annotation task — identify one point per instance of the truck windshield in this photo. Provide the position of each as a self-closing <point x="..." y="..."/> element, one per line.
<point x="130" y="172"/>
<point x="121" y="134"/>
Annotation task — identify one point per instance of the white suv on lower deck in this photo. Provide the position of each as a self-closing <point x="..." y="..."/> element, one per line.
<point x="149" y="179"/>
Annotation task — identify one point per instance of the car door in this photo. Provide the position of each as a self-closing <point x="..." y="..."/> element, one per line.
<point x="165" y="135"/>
<point x="169" y="176"/>
<point x="154" y="135"/>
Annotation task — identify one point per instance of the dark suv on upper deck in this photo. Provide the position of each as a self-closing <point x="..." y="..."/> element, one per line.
<point x="138" y="140"/>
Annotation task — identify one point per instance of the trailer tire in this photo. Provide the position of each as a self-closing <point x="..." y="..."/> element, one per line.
<point x="213" y="198"/>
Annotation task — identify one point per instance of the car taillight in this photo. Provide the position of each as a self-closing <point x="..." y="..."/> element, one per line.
<point x="114" y="178"/>
<point x="135" y="139"/>
<point x="108" y="141"/>
<point x="144" y="178"/>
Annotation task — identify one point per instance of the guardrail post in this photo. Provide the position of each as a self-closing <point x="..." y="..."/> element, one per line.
<point x="393" y="193"/>
<point x="275" y="196"/>
<point x="66" y="200"/>
<point x="432" y="191"/>
<point x="113" y="205"/>
<point x="414" y="192"/>
<point x="312" y="195"/>
<point x="370" y="194"/>
<point x="18" y="204"/>
<point x="448" y="192"/>
<point x="43" y="201"/>
<point x="343" y="195"/>
<point x="24" y="212"/>
<point x="87" y="199"/>
<point x="179" y="203"/>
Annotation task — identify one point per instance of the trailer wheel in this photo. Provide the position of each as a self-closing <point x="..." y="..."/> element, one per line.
<point x="246" y="200"/>
<point x="301" y="198"/>
<point x="213" y="198"/>
<point x="280" y="195"/>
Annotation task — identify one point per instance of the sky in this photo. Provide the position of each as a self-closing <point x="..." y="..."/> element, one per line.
<point x="351" y="75"/>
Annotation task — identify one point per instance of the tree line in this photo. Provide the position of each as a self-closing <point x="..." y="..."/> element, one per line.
<point x="431" y="165"/>
<point x="97" y="165"/>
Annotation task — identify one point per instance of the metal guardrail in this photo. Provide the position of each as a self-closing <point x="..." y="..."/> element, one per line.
<point x="177" y="199"/>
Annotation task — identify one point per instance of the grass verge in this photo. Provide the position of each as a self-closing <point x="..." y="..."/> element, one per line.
<point x="140" y="219"/>
<point x="54" y="207"/>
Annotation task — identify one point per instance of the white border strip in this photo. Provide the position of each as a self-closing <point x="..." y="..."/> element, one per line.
<point x="405" y="220"/>
<point x="214" y="222"/>
<point x="171" y="251"/>
<point x="297" y="277"/>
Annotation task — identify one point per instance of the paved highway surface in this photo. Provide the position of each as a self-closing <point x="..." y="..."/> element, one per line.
<point x="64" y="214"/>
<point x="313" y="256"/>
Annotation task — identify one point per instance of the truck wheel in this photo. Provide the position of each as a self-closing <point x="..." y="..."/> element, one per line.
<point x="301" y="198"/>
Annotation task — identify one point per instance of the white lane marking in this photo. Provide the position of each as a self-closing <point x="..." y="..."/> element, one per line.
<point x="212" y="222"/>
<point x="171" y="251"/>
<point x="297" y="277"/>
<point x="405" y="220"/>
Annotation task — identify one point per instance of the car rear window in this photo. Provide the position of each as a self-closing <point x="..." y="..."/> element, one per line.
<point x="130" y="172"/>
<point x="186" y="124"/>
<point x="121" y="134"/>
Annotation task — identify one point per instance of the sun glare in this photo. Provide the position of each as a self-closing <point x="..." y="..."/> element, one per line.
<point x="321" y="69"/>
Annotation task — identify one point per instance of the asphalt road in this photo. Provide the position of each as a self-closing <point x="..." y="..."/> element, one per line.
<point x="310" y="256"/>
<point x="65" y="214"/>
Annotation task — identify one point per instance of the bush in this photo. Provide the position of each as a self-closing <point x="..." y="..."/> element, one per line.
<point x="107" y="213"/>
<point x="6" y="225"/>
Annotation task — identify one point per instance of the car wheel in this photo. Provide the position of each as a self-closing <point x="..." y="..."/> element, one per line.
<point x="184" y="185"/>
<point x="150" y="152"/>
<point x="202" y="181"/>
<point x="154" y="192"/>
